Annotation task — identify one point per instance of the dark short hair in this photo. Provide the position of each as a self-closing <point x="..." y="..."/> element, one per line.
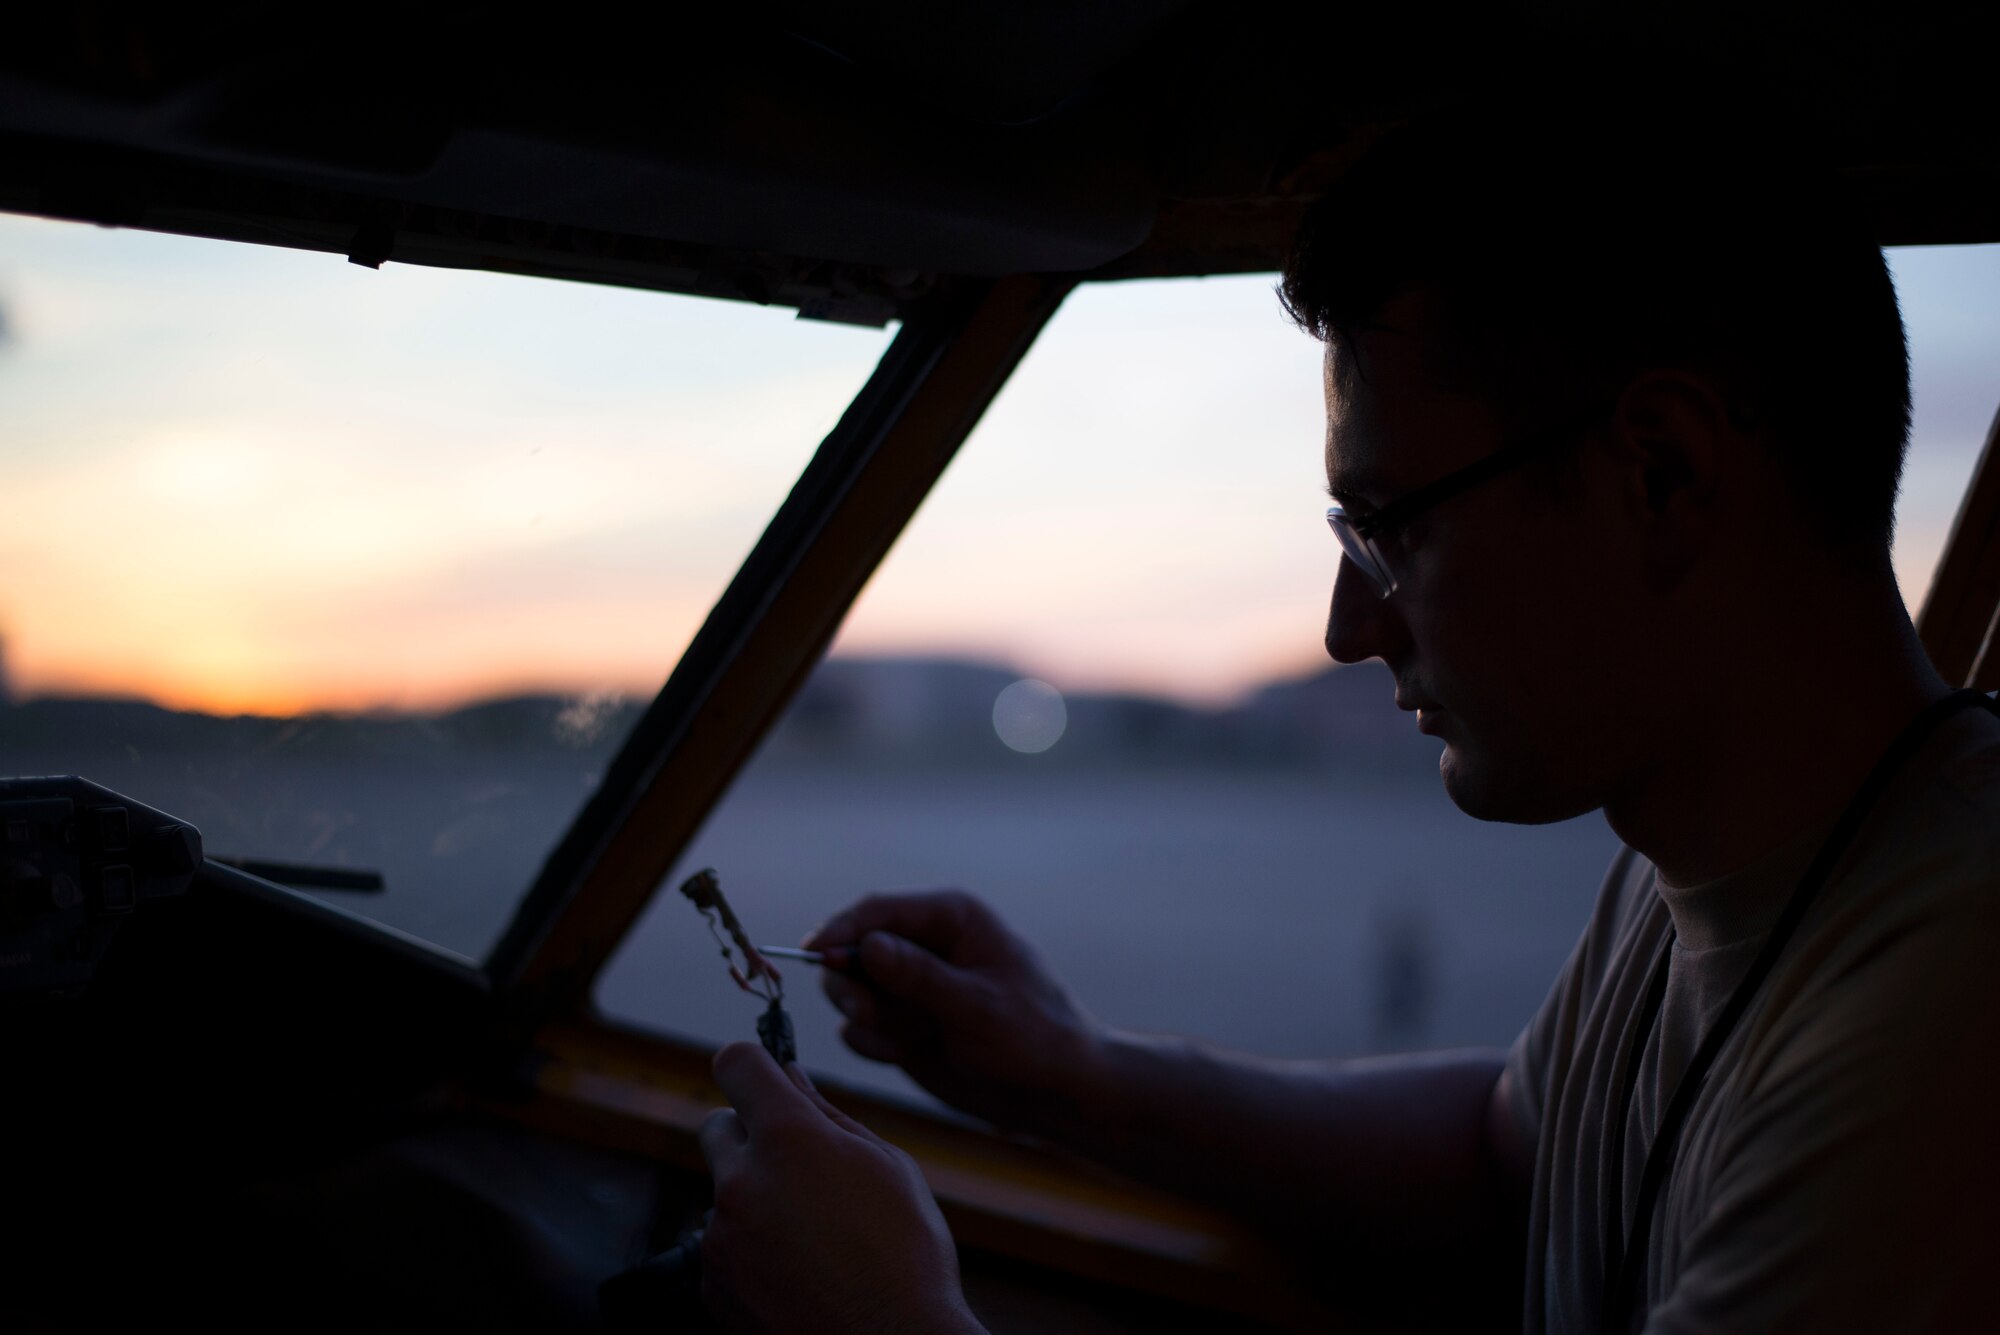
<point x="1571" y="255"/>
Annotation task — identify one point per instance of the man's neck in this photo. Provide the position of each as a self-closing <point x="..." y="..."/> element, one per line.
<point x="1782" y="740"/>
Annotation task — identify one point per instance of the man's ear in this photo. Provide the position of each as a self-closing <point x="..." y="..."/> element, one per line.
<point x="1672" y="428"/>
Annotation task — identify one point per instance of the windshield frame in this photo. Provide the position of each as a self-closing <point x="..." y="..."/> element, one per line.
<point x="765" y="634"/>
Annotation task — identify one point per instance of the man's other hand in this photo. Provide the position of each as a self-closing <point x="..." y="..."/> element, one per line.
<point x="819" y="1227"/>
<point x="935" y="983"/>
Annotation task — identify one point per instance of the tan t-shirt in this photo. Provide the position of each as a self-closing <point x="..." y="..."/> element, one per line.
<point x="1841" y="1168"/>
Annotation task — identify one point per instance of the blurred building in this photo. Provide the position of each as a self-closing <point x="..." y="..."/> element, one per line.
<point x="905" y="710"/>
<point x="939" y="711"/>
<point x="917" y="713"/>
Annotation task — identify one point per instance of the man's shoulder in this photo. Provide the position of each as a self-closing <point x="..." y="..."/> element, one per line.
<point x="1902" y="942"/>
<point x="1937" y="849"/>
<point x="1970" y="772"/>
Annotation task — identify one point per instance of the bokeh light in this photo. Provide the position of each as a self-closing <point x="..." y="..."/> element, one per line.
<point x="1029" y="716"/>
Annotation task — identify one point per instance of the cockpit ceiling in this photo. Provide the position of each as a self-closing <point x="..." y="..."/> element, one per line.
<point x="845" y="159"/>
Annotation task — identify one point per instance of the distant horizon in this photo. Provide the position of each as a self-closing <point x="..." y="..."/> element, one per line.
<point x="643" y="696"/>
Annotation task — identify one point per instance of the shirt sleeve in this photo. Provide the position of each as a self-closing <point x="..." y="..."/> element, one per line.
<point x="1542" y="1048"/>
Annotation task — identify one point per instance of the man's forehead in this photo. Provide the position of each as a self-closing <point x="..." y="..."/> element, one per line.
<point x="1395" y="349"/>
<point x="1394" y="426"/>
<point x="1351" y="472"/>
<point x="1357" y="436"/>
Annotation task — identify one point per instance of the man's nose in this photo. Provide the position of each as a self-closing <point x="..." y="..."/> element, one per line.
<point x="1361" y="623"/>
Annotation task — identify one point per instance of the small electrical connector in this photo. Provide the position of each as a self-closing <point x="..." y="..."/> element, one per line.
<point x="756" y="975"/>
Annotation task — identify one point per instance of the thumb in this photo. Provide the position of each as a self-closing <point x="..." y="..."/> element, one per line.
<point x="833" y="1114"/>
<point x="909" y="973"/>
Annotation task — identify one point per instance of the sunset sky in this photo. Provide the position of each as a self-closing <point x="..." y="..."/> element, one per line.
<point x="251" y="479"/>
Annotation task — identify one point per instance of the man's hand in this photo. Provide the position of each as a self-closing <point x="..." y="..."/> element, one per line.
<point x="819" y="1226"/>
<point x="937" y="984"/>
<point x="1382" y="1156"/>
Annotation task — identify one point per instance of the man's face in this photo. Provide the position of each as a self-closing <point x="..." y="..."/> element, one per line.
<point x="1517" y="630"/>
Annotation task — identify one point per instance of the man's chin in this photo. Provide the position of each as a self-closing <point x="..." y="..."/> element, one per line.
<point x="1511" y="794"/>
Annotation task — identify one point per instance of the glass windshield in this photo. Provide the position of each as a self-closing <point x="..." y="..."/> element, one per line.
<point x="1951" y="310"/>
<point x="370" y="570"/>
<point x="1088" y="685"/>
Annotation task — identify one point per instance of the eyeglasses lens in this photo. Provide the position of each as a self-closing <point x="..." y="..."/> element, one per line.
<point x="1358" y="550"/>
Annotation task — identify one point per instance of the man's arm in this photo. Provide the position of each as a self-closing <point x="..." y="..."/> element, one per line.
<point x="1402" y="1153"/>
<point x="1414" y="1152"/>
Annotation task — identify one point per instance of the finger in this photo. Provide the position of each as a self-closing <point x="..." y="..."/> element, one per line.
<point x="722" y="1139"/>
<point x="904" y="1023"/>
<point x="760" y="1091"/>
<point x="855" y="1000"/>
<point x="908" y="973"/>
<point x="811" y="1091"/>
<point x="935" y="917"/>
<point x="873" y="1044"/>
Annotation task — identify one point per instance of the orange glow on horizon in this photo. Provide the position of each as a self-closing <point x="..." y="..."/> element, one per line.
<point x="281" y="699"/>
<point x="247" y="480"/>
<point x="252" y="690"/>
<point x="211" y="661"/>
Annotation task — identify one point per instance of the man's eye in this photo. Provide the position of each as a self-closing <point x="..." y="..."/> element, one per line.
<point x="1403" y="535"/>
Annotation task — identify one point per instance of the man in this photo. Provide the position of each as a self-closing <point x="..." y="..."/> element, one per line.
<point x="1614" y="430"/>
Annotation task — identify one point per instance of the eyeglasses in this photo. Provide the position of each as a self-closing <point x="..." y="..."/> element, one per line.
<point x="1363" y="537"/>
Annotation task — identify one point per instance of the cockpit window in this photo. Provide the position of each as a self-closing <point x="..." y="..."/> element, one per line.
<point x="1088" y="685"/>
<point x="368" y="573"/>
<point x="1951" y="310"/>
